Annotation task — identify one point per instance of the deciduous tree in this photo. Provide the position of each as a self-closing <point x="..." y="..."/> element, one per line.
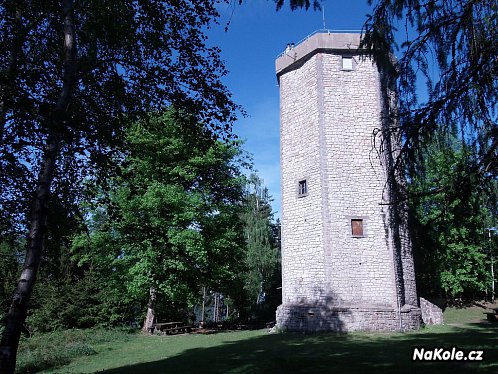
<point x="449" y="222"/>
<point x="175" y="210"/>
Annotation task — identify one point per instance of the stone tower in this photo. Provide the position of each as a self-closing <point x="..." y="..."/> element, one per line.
<point x="346" y="257"/>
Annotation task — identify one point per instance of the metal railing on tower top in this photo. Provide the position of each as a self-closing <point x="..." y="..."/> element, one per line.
<point x="320" y="31"/>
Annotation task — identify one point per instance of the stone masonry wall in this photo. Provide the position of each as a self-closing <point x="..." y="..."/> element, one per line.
<point x="302" y="234"/>
<point x="361" y="271"/>
<point x="315" y="319"/>
<point x="431" y="313"/>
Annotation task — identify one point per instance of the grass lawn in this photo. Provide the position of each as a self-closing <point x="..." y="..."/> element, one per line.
<point x="259" y="352"/>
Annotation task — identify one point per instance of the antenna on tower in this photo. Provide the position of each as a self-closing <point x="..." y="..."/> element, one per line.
<point x="323" y="16"/>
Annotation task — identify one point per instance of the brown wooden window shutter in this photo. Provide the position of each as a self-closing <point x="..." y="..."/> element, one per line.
<point x="357" y="227"/>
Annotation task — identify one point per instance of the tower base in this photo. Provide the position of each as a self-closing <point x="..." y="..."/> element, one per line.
<point x="315" y="318"/>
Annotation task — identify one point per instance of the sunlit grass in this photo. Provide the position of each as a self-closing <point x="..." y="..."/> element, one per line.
<point x="472" y="313"/>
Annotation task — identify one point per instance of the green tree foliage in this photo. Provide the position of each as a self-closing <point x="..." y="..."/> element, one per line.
<point x="9" y="267"/>
<point x="297" y="4"/>
<point x="68" y="303"/>
<point x="449" y="222"/>
<point x="262" y="258"/>
<point x="172" y="220"/>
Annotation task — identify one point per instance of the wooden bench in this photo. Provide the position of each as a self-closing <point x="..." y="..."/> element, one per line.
<point x="171" y="327"/>
<point x="492" y="316"/>
<point x="178" y="330"/>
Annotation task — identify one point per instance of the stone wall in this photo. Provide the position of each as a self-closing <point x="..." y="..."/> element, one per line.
<point x="431" y="313"/>
<point x="302" y="234"/>
<point x="317" y="319"/>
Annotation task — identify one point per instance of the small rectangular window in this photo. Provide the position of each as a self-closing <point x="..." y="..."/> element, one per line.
<point x="357" y="227"/>
<point x="347" y="63"/>
<point x="302" y="188"/>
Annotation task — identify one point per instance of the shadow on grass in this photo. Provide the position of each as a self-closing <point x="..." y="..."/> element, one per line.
<point x="333" y="353"/>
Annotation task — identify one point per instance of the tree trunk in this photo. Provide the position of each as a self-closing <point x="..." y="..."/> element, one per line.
<point x="38" y="225"/>
<point x="202" y="322"/>
<point x="215" y="309"/>
<point x="151" y="307"/>
<point x="22" y="294"/>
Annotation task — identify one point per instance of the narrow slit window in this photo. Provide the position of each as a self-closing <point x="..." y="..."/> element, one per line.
<point x="347" y="63"/>
<point x="357" y="227"/>
<point x="302" y="188"/>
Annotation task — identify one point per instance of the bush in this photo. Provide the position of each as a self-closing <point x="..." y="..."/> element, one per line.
<point x="81" y="303"/>
<point x="58" y="348"/>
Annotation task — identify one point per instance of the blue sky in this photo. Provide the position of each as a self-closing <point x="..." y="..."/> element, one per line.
<point x="256" y="35"/>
